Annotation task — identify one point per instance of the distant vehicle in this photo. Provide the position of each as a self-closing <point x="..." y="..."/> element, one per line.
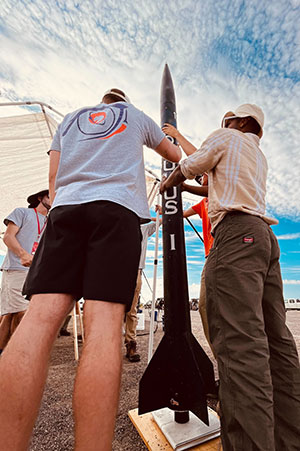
<point x="292" y="304"/>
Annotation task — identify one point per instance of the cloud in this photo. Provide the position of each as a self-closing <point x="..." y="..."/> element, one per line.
<point x="194" y="290"/>
<point x="147" y="294"/>
<point x="68" y="53"/>
<point x="151" y="254"/>
<point x="291" y="282"/>
<point x="289" y="236"/>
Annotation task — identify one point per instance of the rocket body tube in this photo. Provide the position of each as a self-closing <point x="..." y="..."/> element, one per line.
<point x="179" y="374"/>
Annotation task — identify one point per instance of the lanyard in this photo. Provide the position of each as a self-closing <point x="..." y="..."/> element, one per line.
<point x="40" y="230"/>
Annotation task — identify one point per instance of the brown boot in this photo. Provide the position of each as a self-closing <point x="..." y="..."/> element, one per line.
<point x="131" y="353"/>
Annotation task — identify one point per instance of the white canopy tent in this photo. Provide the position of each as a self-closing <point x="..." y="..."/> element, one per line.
<point x="24" y="142"/>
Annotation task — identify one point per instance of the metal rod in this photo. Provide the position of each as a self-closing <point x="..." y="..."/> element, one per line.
<point x="34" y="102"/>
<point x="47" y="121"/>
<point x="152" y="193"/>
<point x="149" y="286"/>
<point x="195" y="230"/>
<point x="75" y="334"/>
<point x="152" y="173"/>
<point x="151" y="335"/>
<point x="156" y="188"/>
<point x="80" y="321"/>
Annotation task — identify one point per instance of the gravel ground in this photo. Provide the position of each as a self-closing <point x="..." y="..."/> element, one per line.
<point x="54" y="427"/>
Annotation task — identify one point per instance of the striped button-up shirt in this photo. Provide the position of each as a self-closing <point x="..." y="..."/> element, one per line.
<point x="237" y="173"/>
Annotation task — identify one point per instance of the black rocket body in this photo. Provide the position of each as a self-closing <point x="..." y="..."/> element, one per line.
<point x="179" y="374"/>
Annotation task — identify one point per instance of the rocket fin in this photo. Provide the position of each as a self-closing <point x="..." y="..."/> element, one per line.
<point x="206" y="367"/>
<point x="174" y="377"/>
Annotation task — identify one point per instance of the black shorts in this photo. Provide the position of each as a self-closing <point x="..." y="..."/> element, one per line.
<point x="89" y="250"/>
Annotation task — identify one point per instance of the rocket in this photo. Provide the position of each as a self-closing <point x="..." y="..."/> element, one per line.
<point x="180" y="374"/>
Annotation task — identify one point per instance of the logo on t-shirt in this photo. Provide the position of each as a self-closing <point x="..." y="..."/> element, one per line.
<point x="100" y="123"/>
<point x="248" y="239"/>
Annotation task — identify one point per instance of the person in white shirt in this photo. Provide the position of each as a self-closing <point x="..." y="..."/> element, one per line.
<point x="24" y="229"/>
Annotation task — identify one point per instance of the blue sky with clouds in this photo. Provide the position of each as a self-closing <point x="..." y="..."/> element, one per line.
<point x="221" y="53"/>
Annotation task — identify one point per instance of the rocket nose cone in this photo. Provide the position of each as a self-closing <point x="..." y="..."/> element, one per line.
<point x="167" y="73"/>
<point x="167" y="82"/>
<point x="167" y="97"/>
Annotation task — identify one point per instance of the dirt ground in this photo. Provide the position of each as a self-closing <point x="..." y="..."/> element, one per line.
<point x="54" y="427"/>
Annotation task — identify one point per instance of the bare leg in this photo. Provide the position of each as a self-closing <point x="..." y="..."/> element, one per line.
<point x="16" y="319"/>
<point x="97" y="383"/>
<point x="24" y="366"/>
<point x="5" y="330"/>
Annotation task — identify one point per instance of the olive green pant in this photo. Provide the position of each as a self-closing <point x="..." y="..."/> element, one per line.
<point x="202" y="309"/>
<point x="256" y="353"/>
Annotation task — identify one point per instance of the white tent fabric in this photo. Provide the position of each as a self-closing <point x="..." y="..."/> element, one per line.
<point x="24" y="142"/>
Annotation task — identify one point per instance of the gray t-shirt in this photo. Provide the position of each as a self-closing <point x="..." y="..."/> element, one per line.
<point x="102" y="156"/>
<point x="25" y="219"/>
<point x="147" y="230"/>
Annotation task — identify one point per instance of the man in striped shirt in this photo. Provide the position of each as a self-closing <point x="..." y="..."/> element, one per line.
<point x="256" y="353"/>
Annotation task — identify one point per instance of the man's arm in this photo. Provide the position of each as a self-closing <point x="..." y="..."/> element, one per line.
<point x="158" y="208"/>
<point x="198" y="190"/>
<point x="154" y="220"/>
<point x="168" y="150"/>
<point x="209" y="154"/>
<point x="175" y="178"/>
<point x="53" y="167"/>
<point x="189" y="212"/>
<point x="13" y="244"/>
<point x="186" y="145"/>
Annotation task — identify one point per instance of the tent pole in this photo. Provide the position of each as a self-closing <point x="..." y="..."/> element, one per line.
<point x="152" y="173"/>
<point x="32" y="103"/>
<point x="75" y="335"/>
<point x="149" y="286"/>
<point x="151" y="192"/>
<point x="46" y="119"/>
<point x="156" y="187"/>
<point x="151" y="333"/>
<point x="80" y="321"/>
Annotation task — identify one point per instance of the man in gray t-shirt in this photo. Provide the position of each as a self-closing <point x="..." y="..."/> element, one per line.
<point x="90" y="249"/>
<point x="24" y="228"/>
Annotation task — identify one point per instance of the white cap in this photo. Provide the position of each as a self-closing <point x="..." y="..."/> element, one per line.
<point x="248" y="109"/>
<point x="123" y="97"/>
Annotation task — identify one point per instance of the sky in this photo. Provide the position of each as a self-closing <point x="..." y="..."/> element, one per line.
<point x="221" y="54"/>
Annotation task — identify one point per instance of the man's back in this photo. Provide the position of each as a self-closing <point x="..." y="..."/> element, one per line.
<point x="102" y="156"/>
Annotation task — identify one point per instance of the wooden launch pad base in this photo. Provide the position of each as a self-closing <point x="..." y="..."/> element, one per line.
<point x="154" y="438"/>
